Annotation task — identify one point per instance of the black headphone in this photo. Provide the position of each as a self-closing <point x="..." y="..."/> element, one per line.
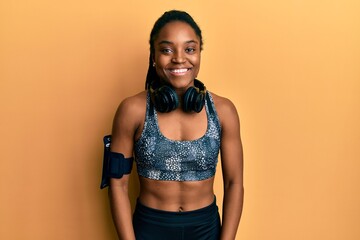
<point x="165" y="98"/>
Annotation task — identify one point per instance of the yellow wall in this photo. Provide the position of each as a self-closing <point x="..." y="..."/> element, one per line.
<point x="292" y="68"/>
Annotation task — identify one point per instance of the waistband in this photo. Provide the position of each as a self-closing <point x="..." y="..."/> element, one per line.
<point x="199" y="216"/>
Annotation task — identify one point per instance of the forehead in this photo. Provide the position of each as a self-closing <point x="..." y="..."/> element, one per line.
<point x="177" y="31"/>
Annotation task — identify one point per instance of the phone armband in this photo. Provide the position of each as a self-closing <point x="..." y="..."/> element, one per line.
<point x="115" y="165"/>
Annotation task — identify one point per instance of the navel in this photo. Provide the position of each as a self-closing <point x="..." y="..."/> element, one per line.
<point x="181" y="209"/>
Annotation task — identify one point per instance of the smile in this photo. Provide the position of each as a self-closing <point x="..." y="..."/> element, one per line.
<point x="179" y="71"/>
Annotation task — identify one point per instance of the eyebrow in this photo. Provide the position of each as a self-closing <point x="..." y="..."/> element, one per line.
<point x="169" y="42"/>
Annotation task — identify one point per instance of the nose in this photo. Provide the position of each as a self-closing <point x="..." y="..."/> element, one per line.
<point x="178" y="57"/>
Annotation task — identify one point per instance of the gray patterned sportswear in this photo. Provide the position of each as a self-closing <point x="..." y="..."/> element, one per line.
<point x="160" y="158"/>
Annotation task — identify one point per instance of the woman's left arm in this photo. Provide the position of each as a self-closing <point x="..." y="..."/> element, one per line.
<point x="232" y="168"/>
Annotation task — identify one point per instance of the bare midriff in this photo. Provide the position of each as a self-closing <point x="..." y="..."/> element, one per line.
<point x="176" y="196"/>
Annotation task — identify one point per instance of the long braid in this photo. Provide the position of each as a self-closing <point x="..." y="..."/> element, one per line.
<point x="151" y="74"/>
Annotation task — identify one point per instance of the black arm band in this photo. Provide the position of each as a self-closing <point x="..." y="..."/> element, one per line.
<point x="115" y="165"/>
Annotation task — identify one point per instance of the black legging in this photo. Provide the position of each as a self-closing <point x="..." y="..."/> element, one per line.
<point x="153" y="224"/>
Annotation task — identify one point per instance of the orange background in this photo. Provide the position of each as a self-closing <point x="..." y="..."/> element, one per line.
<point x="292" y="68"/>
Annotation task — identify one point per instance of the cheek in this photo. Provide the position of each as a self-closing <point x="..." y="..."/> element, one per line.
<point x="196" y="59"/>
<point x="159" y="71"/>
<point x="161" y="61"/>
<point x="159" y="66"/>
<point x="196" y="63"/>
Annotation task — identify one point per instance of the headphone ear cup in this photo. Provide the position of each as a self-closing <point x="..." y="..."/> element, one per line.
<point x="165" y="99"/>
<point x="193" y="100"/>
<point x="188" y="99"/>
<point x="199" y="102"/>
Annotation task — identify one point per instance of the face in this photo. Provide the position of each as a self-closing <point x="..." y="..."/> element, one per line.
<point x="177" y="55"/>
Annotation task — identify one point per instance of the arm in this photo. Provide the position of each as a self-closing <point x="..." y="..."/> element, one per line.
<point x="121" y="208"/>
<point x="124" y="127"/>
<point x="232" y="167"/>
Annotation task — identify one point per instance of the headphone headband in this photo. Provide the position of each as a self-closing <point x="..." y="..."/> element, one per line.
<point x="166" y="99"/>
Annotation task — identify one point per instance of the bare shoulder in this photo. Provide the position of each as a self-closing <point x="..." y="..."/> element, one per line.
<point x="133" y="103"/>
<point x="225" y="108"/>
<point x="131" y="110"/>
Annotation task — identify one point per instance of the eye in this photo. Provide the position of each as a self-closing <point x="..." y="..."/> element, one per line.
<point x="190" y="50"/>
<point x="166" y="50"/>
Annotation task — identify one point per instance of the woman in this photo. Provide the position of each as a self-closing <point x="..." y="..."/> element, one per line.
<point x="176" y="129"/>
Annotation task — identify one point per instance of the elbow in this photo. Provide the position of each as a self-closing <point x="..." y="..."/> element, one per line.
<point x="236" y="182"/>
<point x="118" y="185"/>
<point x="234" y="186"/>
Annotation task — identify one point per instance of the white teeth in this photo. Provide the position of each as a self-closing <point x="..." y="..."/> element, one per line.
<point x="179" y="70"/>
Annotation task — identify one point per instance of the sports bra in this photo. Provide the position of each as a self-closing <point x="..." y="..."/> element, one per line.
<point x="160" y="158"/>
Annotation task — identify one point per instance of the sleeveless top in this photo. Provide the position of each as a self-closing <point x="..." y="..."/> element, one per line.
<point x="160" y="158"/>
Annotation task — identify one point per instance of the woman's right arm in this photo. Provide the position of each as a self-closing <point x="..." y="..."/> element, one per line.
<point x="125" y="123"/>
<point x="121" y="208"/>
